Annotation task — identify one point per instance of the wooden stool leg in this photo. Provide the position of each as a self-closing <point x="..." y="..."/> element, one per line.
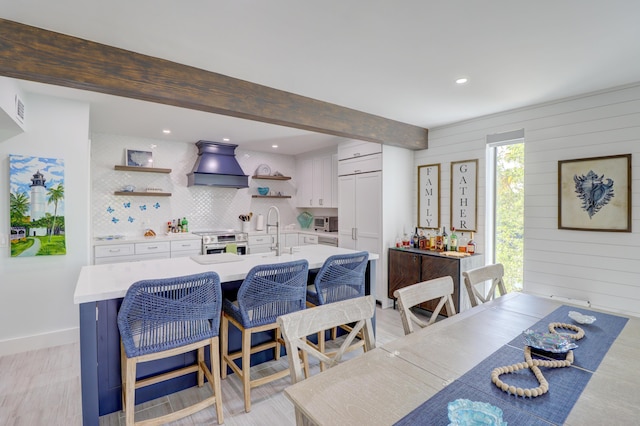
<point x="215" y="371"/>
<point x="246" y="368"/>
<point x="123" y="375"/>
<point x="200" y="362"/>
<point x="130" y="395"/>
<point x="278" y="337"/>
<point x="321" y="346"/>
<point x="224" y="337"/>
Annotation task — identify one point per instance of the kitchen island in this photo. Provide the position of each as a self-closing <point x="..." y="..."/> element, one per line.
<point x="99" y="292"/>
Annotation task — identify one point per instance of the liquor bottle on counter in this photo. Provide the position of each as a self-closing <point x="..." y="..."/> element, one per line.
<point x="438" y="241"/>
<point x="168" y="227"/>
<point x="432" y="241"/>
<point x="422" y="241"/>
<point x="462" y="243"/>
<point x="416" y="239"/>
<point x="445" y="239"/>
<point x="453" y="244"/>
<point x="185" y="225"/>
<point x="471" y="245"/>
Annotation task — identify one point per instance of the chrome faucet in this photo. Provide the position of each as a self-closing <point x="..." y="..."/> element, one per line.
<point x="278" y="247"/>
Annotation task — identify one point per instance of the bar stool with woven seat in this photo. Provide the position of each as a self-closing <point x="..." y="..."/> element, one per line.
<point x="341" y="277"/>
<point x="165" y="317"/>
<point x="267" y="292"/>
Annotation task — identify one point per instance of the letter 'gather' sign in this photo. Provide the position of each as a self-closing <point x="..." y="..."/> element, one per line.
<point x="464" y="189"/>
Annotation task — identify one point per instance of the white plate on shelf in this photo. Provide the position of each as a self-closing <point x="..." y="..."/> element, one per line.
<point x="263" y="170"/>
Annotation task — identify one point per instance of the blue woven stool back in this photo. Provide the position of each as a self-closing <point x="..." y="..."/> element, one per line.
<point x="162" y="314"/>
<point x="341" y="277"/>
<point x="269" y="291"/>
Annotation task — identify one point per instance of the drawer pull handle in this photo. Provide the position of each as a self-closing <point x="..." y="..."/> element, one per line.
<point x="152" y="248"/>
<point x="114" y="250"/>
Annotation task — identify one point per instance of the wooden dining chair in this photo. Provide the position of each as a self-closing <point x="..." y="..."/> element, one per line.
<point x="296" y="326"/>
<point x="163" y="318"/>
<point x="475" y="280"/>
<point x="410" y="296"/>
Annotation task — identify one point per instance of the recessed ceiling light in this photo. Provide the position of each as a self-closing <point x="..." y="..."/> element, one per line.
<point x="226" y="139"/>
<point x="166" y="131"/>
<point x="462" y="80"/>
<point x="274" y="146"/>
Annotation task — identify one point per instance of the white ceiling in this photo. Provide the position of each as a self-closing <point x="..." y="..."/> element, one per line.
<point x="397" y="59"/>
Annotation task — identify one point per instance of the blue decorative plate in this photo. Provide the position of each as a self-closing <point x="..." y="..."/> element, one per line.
<point x="463" y="412"/>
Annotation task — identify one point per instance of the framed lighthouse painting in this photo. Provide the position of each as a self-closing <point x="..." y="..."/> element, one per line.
<point x="36" y="205"/>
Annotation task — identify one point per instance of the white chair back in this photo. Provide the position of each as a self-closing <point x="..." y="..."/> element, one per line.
<point x="475" y="282"/>
<point x="410" y="296"/>
<point x="296" y="326"/>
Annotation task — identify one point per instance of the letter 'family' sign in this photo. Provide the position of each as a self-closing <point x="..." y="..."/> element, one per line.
<point x="429" y="196"/>
<point x="464" y="189"/>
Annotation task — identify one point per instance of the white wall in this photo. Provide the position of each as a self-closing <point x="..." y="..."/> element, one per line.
<point x="36" y="293"/>
<point x="602" y="267"/>
<point x="398" y="207"/>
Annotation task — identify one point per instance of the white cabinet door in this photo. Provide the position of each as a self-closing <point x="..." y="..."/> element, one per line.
<point x="347" y="211"/>
<point x="290" y="240"/>
<point x="304" y="177"/>
<point x="334" y="181"/>
<point x="316" y="181"/>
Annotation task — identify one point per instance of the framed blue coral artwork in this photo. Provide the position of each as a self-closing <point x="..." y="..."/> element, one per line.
<point x="594" y="194"/>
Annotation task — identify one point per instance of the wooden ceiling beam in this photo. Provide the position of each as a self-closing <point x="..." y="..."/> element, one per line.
<point x="35" y="54"/>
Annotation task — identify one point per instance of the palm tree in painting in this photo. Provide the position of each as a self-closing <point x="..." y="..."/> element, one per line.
<point x="55" y="195"/>
<point x="18" y="207"/>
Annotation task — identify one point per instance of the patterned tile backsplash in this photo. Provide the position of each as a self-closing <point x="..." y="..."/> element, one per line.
<point x="204" y="207"/>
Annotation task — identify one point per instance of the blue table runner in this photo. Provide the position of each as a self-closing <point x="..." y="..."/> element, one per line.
<point x="565" y="384"/>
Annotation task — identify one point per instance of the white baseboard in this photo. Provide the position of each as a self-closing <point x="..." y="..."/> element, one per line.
<point x="39" y="341"/>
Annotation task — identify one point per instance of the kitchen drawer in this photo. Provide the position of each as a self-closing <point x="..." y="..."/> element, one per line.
<point x="261" y="239"/>
<point x="305" y="239"/>
<point x="154" y="247"/>
<point x="185" y="253"/>
<point x="354" y="149"/>
<point x="370" y="163"/>
<point x="186" y="245"/>
<point x="113" y="250"/>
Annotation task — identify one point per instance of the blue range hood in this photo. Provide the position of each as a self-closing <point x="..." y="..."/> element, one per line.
<point x="217" y="166"/>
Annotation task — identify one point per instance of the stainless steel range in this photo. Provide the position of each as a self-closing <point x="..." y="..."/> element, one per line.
<point x="217" y="241"/>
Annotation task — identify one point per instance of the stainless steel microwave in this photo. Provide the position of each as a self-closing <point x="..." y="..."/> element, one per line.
<point x="325" y="223"/>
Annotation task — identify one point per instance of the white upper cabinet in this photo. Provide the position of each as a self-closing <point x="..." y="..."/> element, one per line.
<point x="355" y="149"/>
<point x="317" y="181"/>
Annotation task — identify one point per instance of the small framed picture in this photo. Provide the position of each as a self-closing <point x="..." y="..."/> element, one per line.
<point x="137" y="158"/>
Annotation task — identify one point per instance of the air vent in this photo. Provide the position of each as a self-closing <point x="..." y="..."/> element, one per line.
<point x="19" y="110"/>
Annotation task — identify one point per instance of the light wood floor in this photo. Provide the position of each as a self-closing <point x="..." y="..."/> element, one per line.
<point x="43" y="388"/>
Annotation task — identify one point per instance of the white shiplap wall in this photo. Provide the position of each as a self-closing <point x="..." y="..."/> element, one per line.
<point x="602" y="267"/>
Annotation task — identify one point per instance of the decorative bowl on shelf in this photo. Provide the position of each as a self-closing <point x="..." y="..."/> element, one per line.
<point x="263" y="190"/>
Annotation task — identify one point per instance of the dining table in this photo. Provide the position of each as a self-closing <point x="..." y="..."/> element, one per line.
<point x="412" y="379"/>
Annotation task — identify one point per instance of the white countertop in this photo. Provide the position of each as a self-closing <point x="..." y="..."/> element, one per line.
<point x="111" y="281"/>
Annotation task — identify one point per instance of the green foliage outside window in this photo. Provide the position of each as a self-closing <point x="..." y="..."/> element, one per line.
<point x="510" y="213"/>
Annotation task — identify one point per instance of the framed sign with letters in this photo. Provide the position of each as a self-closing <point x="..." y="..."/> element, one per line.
<point x="429" y="196"/>
<point x="464" y="191"/>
